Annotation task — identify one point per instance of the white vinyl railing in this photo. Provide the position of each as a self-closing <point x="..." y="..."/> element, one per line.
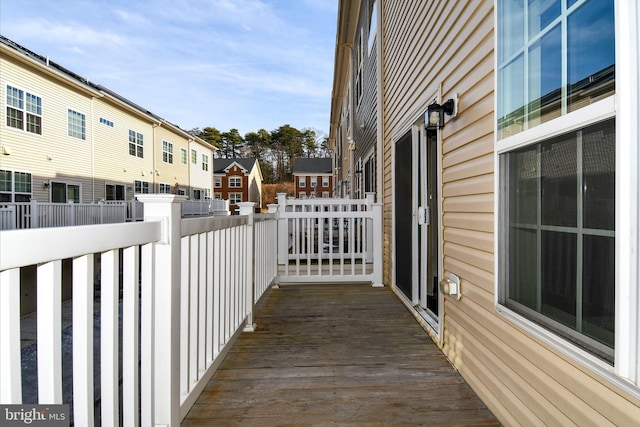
<point x="330" y="240"/>
<point x="36" y="214"/>
<point x="205" y="207"/>
<point x="185" y="287"/>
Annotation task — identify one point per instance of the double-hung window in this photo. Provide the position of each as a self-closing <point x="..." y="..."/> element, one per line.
<point x="164" y="188"/>
<point x="15" y="186"/>
<point x="557" y="168"/>
<point x="24" y="110"/>
<point x="235" y="198"/>
<point x="205" y="162"/>
<point x="183" y="156"/>
<point x="302" y="181"/>
<point x="167" y="152"/>
<point x="235" y="181"/>
<point x="136" y="144"/>
<point x="76" y="124"/>
<point x="141" y="187"/>
<point x="194" y="157"/>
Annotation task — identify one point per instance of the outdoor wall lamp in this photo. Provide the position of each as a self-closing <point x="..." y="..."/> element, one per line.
<point x="434" y="118"/>
<point x="45" y="185"/>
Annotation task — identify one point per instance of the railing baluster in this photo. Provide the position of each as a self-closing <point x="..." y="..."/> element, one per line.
<point x="147" y="342"/>
<point x="185" y="257"/>
<point x="83" y="382"/>
<point x="109" y="296"/>
<point x="10" y="367"/>
<point x="193" y="305"/>
<point x="49" y="326"/>
<point x="210" y="319"/>
<point x="202" y="303"/>
<point x="130" y="337"/>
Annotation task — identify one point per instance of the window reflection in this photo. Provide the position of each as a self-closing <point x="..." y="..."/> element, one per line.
<point x="552" y="66"/>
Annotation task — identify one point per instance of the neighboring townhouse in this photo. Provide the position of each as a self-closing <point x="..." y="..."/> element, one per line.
<point x="200" y="159"/>
<point x="313" y="178"/>
<point x="65" y="139"/>
<point x="510" y="191"/>
<point x="354" y="115"/>
<point x="237" y="180"/>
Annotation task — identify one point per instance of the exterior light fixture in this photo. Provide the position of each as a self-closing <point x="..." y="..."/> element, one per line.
<point x="434" y="117"/>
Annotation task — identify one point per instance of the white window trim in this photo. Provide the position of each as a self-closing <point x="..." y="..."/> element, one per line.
<point x="217" y="182"/>
<point x="83" y="137"/>
<point x="233" y="202"/>
<point x="235" y="177"/>
<point x="184" y="159"/>
<point x="24" y="110"/>
<point x="625" y="106"/>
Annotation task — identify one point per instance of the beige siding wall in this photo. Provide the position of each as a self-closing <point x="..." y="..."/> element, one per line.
<point x="200" y="178"/>
<point x="113" y="162"/>
<point x="171" y="173"/>
<point x="44" y="156"/>
<point x="523" y="380"/>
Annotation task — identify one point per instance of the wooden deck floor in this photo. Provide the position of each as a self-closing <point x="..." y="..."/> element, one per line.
<point x="336" y="355"/>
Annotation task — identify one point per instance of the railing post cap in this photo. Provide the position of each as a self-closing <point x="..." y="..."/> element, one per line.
<point x="161" y="198"/>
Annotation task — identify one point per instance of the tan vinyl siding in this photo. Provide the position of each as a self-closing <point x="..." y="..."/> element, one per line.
<point x="447" y="47"/>
<point x="46" y="155"/>
<point x="113" y="162"/>
<point x="172" y="173"/>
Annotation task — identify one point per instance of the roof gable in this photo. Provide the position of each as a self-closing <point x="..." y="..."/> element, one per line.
<point x="221" y="166"/>
<point x="319" y="166"/>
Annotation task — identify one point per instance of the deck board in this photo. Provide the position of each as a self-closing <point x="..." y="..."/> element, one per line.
<point x="336" y="355"/>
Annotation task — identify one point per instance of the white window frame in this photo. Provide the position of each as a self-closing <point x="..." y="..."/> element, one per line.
<point x="25" y="108"/>
<point x="235" y="182"/>
<point x="217" y="181"/>
<point x="194" y="157"/>
<point x="205" y="162"/>
<point x="167" y="152"/>
<point x="217" y="196"/>
<point x="76" y="124"/>
<point x="183" y="156"/>
<point x="141" y="187"/>
<point x="12" y="191"/>
<point x="313" y="182"/>
<point x="625" y="106"/>
<point x="235" y="198"/>
<point x="115" y="188"/>
<point x="164" y="188"/>
<point x="136" y="143"/>
<point x="302" y="181"/>
<point x="325" y="182"/>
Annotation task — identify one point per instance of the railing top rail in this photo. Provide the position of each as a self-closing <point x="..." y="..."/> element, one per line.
<point x="33" y="246"/>
<point x="328" y="214"/>
<point x="190" y="226"/>
<point x="327" y="201"/>
<point x="265" y="216"/>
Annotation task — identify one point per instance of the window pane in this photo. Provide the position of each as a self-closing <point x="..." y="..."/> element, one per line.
<point x="545" y="78"/>
<point x="523" y="266"/>
<point x="558" y="276"/>
<point x="511" y="98"/>
<point x="511" y="28"/>
<point x="598" y="297"/>
<point x="591" y="53"/>
<point x="5" y="180"/>
<point x="558" y="182"/>
<point x="541" y="14"/>
<point x="34" y="124"/>
<point x="15" y="118"/>
<point x="599" y="176"/>
<point x="523" y="186"/>
<point x="23" y="182"/>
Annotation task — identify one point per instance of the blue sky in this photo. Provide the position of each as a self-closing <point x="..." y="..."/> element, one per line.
<point x="245" y="64"/>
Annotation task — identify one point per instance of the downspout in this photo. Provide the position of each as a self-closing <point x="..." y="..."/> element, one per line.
<point x="153" y="171"/>
<point x="379" y="108"/>
<point x="93" y="155"/>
